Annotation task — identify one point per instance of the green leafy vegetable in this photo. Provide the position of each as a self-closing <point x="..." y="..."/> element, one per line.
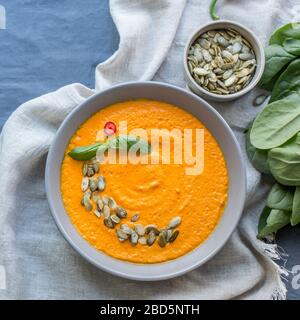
<point x="288" y="83"/>
<point x="295" y="219"/>
<point x="276" y="59"/>
<point x="290" y="30"/>
<point x="281" y="198"/>
<point x="271" y="220"/>
<point x="122" y="142"/>
<point x="258" y="158"/>
<point x="292" y="46"/>
<point x="276" y="124"/>
<point x="212" y="10"/>
<point x="130" y="143"/>
<point x="284" y="162"/>
<point x="85" y="153"/>
<point x="275" y="133"/>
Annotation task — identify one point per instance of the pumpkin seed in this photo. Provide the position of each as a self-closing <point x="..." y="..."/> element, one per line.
<point x="125" y="228"/>
<point x="198" y="55"/>
<point x="85" y="184"/>
<point x="236" y="47"/>
<point x="243" y="73"/>
<point x="121" y="234"/>
<point x="100" y="204"/>
<point x="115" y="219"/>
<point x="139" y="229"/>
<point x="95" y="167"/>
<point x="121" y="213"/>
<point x="96" y="196"/>
<point x="112" y="203"/>
<point x="151" y="239"/>
<point x="87" y="203"/>
<point x="134" y="238"/>
<point x="101" y="183"/>
<point x="84" y="169"/>
<point x="230" y="81"/>
<point x="174" y="222"/>
<point x="245" y="56"/>
<point x="90" y="171"/>
<point x="135" y="218"/>
<point x="227" y="74"/>
<point x="227" y="55"/>
<point x="105" y="199"/>
<point x="206" y="55"/>
<point x="201" y="71"/>
<point x="142" y="241"/>
<point x="106" y="211"/>
<point x="174" y="236"/>
<point x="151" y="227"/>
<point x="204" y="43"/>
<point x="169" y="233"/>
<point x="97" y="213"/>
<point x="108" y="223"/>
<point x="93" y="184"/>
<point x="222" y="41"/>
<point x="162" y="239"/>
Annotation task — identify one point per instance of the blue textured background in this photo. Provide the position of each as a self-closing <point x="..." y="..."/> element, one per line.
<point x="48" y="44"/>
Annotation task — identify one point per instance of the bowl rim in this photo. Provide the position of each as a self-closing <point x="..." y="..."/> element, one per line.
<point x="73" y="235"/>
<point x="258" y="74"/>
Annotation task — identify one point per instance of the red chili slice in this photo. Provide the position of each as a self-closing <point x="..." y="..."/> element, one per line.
<point x="110" y="128"/>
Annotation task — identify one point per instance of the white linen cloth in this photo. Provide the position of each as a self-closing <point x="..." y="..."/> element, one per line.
<point x="35" y="260"/>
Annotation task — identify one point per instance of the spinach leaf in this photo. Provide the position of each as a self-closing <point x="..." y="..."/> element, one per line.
<point x="263" y="219"/>
<point x="276" y="124"/>
<point x="290" y="30"/>
<point x="276" y="59"/>
<point x="271" y="220"/>
<point x="212" y="10"/>
<point x="295" y="219"/>
<point x="288" y="83"/>
<point x="292" y="46"/>
<point x="284" y="162"/>
<point x="85" y="153"/>
<point x="281" y="198"/>
<point x="258" y="158"/>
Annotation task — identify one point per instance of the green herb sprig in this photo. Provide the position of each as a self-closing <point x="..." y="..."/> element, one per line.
<point x="121" y="142"/>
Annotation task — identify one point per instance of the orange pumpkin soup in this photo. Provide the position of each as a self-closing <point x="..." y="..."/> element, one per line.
<point x="156" y="192"/>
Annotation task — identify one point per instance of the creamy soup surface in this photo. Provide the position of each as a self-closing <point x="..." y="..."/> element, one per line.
<point x="157" y="192"/>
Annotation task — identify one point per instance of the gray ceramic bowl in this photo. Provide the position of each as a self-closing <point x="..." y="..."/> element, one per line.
<point x="217" y="126"/>
<point x="248" y="35"/>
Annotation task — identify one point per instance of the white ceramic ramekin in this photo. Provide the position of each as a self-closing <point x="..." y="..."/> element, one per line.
<point x="249" y="36"/>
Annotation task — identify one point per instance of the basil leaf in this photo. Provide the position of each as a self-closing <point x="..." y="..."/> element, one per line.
<point x="271" y="221"/>
<point x="124" y="142"/>
<point x="290" y="30"/>
<point x="85" y="153"/>
<point x="276" y="59"/>
<point x="276" y="124"/>
<point x="288" y="83"/>
<point x="295" y="219"/>
<point x="281" y="198"/>
<point x="258" y="158"/>
<point x="284" y="162"/>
